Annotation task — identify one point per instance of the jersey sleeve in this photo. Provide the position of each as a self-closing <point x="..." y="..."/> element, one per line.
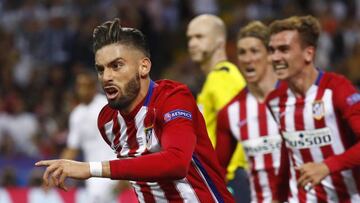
<point x="347" y="102"/>
<point x="178" y="141"/>
<point x="74" y="135"/>
<point x="226" y="143"/>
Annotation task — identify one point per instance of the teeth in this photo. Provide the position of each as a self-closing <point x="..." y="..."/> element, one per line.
<point x="280" y="66"/>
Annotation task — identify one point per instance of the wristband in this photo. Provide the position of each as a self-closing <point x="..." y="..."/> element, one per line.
<point x="95" y="169"/>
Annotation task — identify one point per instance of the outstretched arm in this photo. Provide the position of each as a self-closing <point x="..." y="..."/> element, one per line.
<point x="58" y="170"/>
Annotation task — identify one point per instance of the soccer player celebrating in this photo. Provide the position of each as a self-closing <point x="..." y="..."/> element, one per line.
<point x="319" y="117"/>
<point x="247" y="119"/>
<point x="155" y="128"/>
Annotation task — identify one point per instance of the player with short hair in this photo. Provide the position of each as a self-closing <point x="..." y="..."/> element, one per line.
<point x="318" y="114"/>
<point x="206" y="35"/>
<point x="246" y="118"/>
<point x="155" y="128"/>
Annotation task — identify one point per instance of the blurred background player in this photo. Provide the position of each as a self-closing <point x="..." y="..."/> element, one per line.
<point x="318" y="114"/>
<point x="155" y="128"/>
<point x="84" y="136"/>
<point x="246" y="118"/>
<point x="206" y="45"/>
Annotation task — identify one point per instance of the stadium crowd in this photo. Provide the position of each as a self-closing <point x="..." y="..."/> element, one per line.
<point x="45" y="44"/>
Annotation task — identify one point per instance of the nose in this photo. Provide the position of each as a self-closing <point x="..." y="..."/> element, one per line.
<point x="107" y="75"/>
<point x="191" y="43"/>
<point x="275" y="56"/>
<point x="245" y="58"/>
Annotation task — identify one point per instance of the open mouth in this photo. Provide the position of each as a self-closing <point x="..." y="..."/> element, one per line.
<point x="250" y="71"/>
<point x="111" y="92"/>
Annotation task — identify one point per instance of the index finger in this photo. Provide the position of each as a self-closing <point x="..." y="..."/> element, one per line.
<point x="44" y="162"/>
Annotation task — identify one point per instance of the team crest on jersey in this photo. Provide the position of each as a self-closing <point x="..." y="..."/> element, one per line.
<point x="318" y="109"/>
<point x="148" y="134"/>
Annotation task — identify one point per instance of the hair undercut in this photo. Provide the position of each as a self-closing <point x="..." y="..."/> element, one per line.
<point x="112" y="32"/>
<point x="308" y="28"/>
<point x="255" y="29"/>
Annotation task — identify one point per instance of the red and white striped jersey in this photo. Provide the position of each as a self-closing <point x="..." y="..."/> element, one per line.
<point x="246" y="120"/>
<point x="322" y="126"/>
<point x="163" y="148"/>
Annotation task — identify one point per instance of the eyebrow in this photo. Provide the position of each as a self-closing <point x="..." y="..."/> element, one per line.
<point x="111" y="62"/>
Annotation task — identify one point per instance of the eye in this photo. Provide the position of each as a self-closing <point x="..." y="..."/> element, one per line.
<point x="241" y="52"/>
<point x="99" y="69"/>
<point x="117" y="65"/>
<point x="271" y="50"/>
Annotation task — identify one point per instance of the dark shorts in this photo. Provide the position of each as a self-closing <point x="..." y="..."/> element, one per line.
<point x="240" y="186"/>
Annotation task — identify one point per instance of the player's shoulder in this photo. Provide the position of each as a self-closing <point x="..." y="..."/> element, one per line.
<point x="280" y="90"/>
<point x="240" y="96"/>
<point x="165" y="88"/>
<point x="224" y="69"/>
<point x="333" y="80"/>
<point x="106" y="114"/>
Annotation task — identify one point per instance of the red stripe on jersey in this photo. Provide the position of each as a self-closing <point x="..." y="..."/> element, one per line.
<point x="146" y="192"/>
<point x="243" y="128"/>
<point x="327" y="151"/>
<point x="131" y="132"/>
<point x="282" y="110"/>
<point x="256" y="180"/>
<point x="116" y="131"/>
<point x="305" y="154"/>
<point x="171" y="192"/>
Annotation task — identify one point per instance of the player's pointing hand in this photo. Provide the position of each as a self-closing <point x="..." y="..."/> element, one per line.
<point x="59" y="170"/>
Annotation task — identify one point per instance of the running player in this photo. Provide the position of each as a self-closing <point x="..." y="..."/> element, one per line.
<point x="155" y="128"/>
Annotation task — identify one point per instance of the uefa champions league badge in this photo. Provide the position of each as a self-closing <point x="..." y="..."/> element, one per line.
<point x="318" y="109"/>
<point x="353" y="99"/>
<point x="178" y="113"/>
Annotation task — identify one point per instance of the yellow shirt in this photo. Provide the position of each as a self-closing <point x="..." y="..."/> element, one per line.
<point x="220" y="86"/>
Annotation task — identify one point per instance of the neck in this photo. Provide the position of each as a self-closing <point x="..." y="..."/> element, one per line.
<point x="262" y="88"/>
<point x="302" y="81"/>
<point x="209" y="64"/>
<point x="144" y="87"/>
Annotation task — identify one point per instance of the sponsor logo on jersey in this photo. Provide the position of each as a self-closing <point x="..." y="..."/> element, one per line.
<point x="318" y="109"/>
<point x="353" y="99"/>
<point x="262" y="145"/>
<point x="178" y="113"/>
<point x="308" y="138"/>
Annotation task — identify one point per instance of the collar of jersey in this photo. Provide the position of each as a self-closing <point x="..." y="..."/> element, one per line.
<point x="144" y="102"/>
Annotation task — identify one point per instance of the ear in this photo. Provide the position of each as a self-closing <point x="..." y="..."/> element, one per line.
<point x="309" y="54"/>
<point x="145" y="67"/>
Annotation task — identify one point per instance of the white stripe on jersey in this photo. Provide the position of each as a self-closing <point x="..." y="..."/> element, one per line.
<point x="138" y="192"/>
<point x="123" y="137"/>
<point x="109" y="133"/>
<point x="186" y="191"/>
<point x="234" y="119"/>
<point x="140" y="129"/>
<point x="157" y="192"/>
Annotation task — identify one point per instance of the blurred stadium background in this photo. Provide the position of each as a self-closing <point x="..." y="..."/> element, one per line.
<point x="45" y="43"/>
